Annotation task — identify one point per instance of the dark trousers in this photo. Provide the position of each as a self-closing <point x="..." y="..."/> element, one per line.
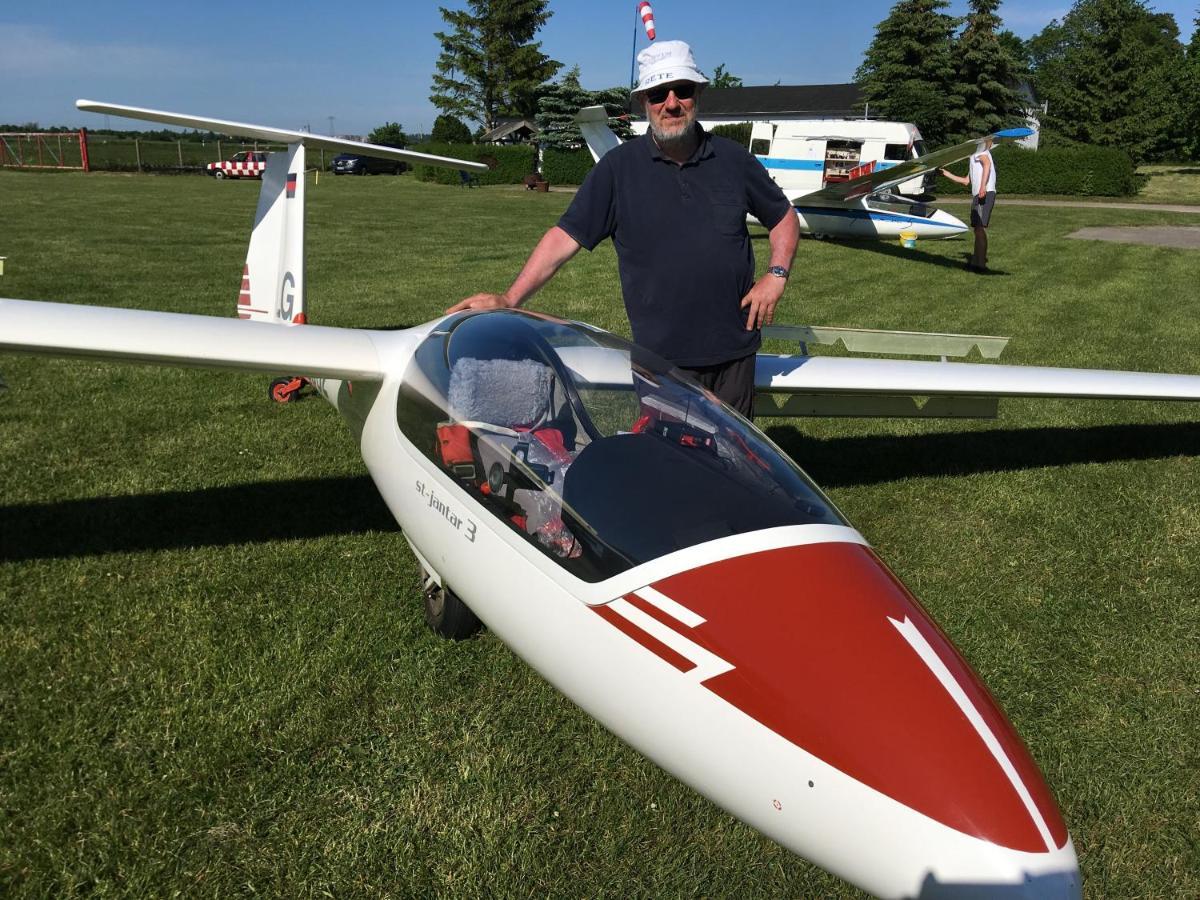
<point x="732" y="381"/>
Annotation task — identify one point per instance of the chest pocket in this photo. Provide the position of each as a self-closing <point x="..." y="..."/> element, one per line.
<point x="728" y="211"/>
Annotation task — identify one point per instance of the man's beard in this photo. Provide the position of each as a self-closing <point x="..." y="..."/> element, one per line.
<point x="675" y="140"/>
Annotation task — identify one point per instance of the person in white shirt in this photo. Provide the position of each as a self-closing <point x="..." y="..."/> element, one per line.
<point x="982" y="181"/>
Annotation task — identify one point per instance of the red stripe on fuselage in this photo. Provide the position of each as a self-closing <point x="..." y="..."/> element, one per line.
<point x="653" y="644"/>
<point x="818" y="661"/>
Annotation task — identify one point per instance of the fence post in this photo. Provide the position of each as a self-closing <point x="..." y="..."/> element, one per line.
<point x="179" y="147"/>
<point x="137" y="152"/>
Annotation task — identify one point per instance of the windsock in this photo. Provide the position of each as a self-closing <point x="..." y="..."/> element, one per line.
<point x="647" y="15"/>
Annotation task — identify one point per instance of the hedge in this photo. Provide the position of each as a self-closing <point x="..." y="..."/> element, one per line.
<point x="513" y="162"/>
<point x="566" y="166"/>
<point x="1075" y="171"/>
<point x="738" y="132"/>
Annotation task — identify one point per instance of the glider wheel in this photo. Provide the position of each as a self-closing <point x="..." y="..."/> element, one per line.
<point x="448" y="616"/>
<point x="286" y="390"/>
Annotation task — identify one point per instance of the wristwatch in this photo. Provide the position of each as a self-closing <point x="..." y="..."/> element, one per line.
<point x="778" y="271"/>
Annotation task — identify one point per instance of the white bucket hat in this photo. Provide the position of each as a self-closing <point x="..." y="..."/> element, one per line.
<point x="664" y="62"/>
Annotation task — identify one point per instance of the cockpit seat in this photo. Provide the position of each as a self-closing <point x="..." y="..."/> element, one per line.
<point x="512" y="394"/>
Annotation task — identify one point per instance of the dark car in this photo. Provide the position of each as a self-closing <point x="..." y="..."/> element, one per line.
<point x="355" y="164"/>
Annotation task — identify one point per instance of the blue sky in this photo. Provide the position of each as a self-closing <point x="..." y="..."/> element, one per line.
<point x="296" y="64"/>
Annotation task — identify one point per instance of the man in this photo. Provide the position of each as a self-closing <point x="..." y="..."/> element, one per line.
<point x="674" y="202"/>
<point x="982" y="181"/>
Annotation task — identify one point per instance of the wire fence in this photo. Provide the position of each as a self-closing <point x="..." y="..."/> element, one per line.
<point x="116" y="154"/>
<point x="122" y="154"/>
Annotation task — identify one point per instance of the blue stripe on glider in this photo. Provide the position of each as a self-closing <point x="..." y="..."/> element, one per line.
<point x="808" y="165"/>
<point x="872" y="214"/>
<point x="1014" y="132"/>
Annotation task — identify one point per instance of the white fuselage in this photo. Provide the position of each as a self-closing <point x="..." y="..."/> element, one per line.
<point x="871" y="221"/>
<point x="603" y="646"/>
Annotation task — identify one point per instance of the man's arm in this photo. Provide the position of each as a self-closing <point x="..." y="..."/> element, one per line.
<point x="960" y="179"/>
<point x="551" y="252"/>
<point x="766" y="292"/>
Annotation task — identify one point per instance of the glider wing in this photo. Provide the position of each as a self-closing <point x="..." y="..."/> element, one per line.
<point x="279" y="135"/>
<point x="843" y="192"/>
<point x="175" y="339"/>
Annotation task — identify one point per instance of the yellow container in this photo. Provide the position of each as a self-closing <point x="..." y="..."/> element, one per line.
<point x="908" y="239"/>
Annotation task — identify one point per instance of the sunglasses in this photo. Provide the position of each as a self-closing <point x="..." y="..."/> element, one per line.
<point x="683" y="91"/>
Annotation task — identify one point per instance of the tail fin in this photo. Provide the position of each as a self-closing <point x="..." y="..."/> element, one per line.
<point x="593" y="124"/>
<point x="273" y="280"/>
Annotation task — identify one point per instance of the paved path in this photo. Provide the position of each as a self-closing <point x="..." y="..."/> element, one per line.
<point x="1184" y="237"/>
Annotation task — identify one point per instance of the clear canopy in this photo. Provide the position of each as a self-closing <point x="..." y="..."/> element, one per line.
<point x="596" y="451"/>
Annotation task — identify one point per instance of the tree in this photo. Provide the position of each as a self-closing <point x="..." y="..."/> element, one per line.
<point x="721" y="78"/>
<point x="560" y="102"/>
<point x="986" y="74"/>
<point x="907" y="73"/>
<point x="389" y="134"/>
<point x="1114" y="73"/>
<point x="1192" y="125"/>
<point x="1018" y="52"/>
<point x="489" y="65"/>
<point x="449" y="129"/>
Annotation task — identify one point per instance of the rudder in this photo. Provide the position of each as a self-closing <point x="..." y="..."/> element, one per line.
<point x="273" y="288"/>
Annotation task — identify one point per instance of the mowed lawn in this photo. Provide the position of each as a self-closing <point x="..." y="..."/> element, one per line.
<point x="215" y="679"/>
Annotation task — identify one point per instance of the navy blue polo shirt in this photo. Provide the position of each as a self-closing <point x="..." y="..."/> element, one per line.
<point x="683" y="250"/>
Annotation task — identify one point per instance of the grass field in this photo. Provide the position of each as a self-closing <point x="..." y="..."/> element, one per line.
<point x="214" y="675"/>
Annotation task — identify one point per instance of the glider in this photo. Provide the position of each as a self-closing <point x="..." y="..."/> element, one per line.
<point x="655" y="556"/>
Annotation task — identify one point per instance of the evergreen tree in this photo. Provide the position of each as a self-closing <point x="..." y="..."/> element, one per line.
<point x="1113" y="73"/>
<point x="907" y="73"/>
<point x="560" y="102"/>
<point x="389" y="134"/>
<point x="449" y="129"/>
<point x="490" y="66"/>
<point x="986" y="74"/>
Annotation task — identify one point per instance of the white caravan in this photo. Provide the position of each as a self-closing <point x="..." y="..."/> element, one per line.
<point x="806" y="155"/>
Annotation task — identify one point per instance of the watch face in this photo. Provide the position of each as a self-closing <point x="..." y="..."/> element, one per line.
<point x="778" y="270"/>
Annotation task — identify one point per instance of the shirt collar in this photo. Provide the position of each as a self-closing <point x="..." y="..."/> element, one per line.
<point x="703" y="149"/>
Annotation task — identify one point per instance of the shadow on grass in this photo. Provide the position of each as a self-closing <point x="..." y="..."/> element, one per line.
<point x="916" y="255"/>
<point x="290" y="510"/>
<point x="845" y="462"/>
<point x="249" y="513"/>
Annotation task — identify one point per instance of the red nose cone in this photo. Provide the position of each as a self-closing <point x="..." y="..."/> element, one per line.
<point x="830" y="651"/>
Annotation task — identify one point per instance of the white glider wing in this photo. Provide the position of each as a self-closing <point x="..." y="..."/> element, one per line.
<point x="831" y="385"/>
<point x="593" y="125"/>
<point x="279" y="135"/>
<point x="175" y="339"/>
<point x="843" y="192"/>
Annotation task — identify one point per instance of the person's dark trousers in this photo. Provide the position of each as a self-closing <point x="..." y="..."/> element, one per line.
<point x="732" y="381"/>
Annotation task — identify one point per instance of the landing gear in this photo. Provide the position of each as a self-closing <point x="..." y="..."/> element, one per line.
<point x="447" y="615"/>
<point x="287" y="390"/>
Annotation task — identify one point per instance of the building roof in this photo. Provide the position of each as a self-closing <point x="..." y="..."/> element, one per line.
<point x="816" y="100"/>
<point x="507" y="130"/>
